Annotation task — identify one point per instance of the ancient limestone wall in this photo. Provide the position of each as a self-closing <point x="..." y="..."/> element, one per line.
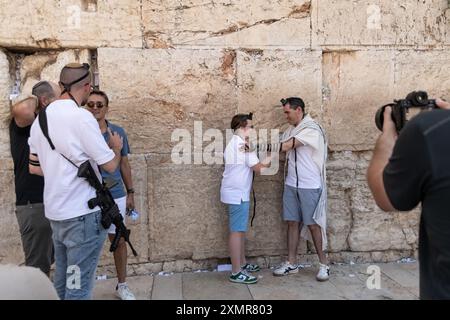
<point x="166" y="64"/>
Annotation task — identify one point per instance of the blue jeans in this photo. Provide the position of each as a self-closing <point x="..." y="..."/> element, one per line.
<point x="78" y="243"/>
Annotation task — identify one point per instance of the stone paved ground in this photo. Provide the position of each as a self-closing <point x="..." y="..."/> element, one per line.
<point x="399" y="281"/>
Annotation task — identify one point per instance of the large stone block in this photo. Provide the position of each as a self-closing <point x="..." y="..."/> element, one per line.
<point x="379" y="231"/>
<point x="10" y="242"/>
<point x="48" y="66"/>
<point x="186" y="217"/>
<point x="355" y="85"/>
<point x="70" y="24"/>
<point x="374" y="230"/>
<point x="364" y="22"/>
<point x="227" y="23"/>
<point x="339" y="221"/>
<point x="264" y="77"/>
<point x="139" y="229"/>
<point x="188" y="221"/>
<point x="168" y="89"/>
<point x="423" y="70"/>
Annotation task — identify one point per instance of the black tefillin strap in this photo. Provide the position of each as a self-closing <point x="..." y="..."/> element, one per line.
<point x="250" y="117"/>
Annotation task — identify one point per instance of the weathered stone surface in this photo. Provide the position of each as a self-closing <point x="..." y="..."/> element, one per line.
<point x="290" y="287"/>
<point x="227" y="23"/>
<point x="423" y="70"/>
<point x="364" y="22"/>
<point x="5" y="87"/>
<point x="48" y="66"/>
<point x="169" y="89"/>
<point x="168" y="287"/>
<point x="447" y="16"/>
<point x="10" y="242"/>
<point x="264" y="77"/>
<point x="213" y="286"/>
<point x="374" y="229"/>
<point x="186" y="200"/>
<point x="354" y="220"/>
<point x="139" y="229"/>
<point x="73" y="24"/>
<point x="341" y="175"/>
<point x="183" y="226"/>
<point x="141" y="286"/>
<point x="349" y="105"/>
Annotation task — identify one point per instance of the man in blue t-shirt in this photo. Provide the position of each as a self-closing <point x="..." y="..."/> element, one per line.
<point x="122" y="191"/>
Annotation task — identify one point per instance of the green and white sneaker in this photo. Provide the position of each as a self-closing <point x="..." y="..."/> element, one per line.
<point x="243" y="277"/>
<point x="251" y="267"/>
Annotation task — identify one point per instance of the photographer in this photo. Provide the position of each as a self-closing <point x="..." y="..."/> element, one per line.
<point x="412" y="168"/>
<point x="35" y="231"/>
<point x="78" y="235"/>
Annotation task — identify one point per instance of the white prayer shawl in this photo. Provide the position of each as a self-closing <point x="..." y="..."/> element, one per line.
<point x="306" y="133"/>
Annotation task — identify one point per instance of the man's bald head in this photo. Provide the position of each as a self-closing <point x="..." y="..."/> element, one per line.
<point x="74" y="76"/>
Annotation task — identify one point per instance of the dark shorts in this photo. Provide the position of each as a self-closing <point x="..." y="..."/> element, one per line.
<point x="299" y="204"/>
<point x="36" y="235"/>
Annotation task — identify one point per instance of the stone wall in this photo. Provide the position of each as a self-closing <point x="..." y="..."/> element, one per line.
<point x="166" y="64"/>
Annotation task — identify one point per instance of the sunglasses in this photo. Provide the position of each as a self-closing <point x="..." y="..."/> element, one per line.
<point x="92" y="104"/>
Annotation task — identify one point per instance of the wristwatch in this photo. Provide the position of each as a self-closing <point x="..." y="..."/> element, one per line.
<point x="131" y="190"/>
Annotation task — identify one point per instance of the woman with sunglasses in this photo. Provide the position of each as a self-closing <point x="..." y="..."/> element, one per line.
<point x="235" y="192"/>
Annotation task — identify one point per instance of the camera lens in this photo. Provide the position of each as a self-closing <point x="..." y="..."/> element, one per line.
<point x="379" y="117"/>
<point x="418" y="98"/>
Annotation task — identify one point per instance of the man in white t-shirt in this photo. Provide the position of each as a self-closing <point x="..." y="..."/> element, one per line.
<point x="73" y="138"/>
<point x="304" y="185"/>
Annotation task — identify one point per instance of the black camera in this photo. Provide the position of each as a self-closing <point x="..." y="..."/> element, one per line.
<point x="110" y="210"/>
<point x="401" y="109"/>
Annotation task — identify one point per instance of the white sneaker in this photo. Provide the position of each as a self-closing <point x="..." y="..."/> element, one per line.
<point x="124" y="293"/>
<point x="285" y="269"/>
<point x="324" y="273"/>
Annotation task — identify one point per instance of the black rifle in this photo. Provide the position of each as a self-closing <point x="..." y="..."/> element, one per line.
<point x="109" y="208"/>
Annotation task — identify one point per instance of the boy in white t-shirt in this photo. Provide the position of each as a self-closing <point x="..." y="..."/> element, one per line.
<point x="235" y="192"/>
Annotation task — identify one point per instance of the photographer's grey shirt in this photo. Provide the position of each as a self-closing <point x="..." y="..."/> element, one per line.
<point x="419" y="172"/>
<point x="75" y="134"/>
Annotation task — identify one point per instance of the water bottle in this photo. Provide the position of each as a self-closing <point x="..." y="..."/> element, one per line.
<point x="133" y="214"/>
